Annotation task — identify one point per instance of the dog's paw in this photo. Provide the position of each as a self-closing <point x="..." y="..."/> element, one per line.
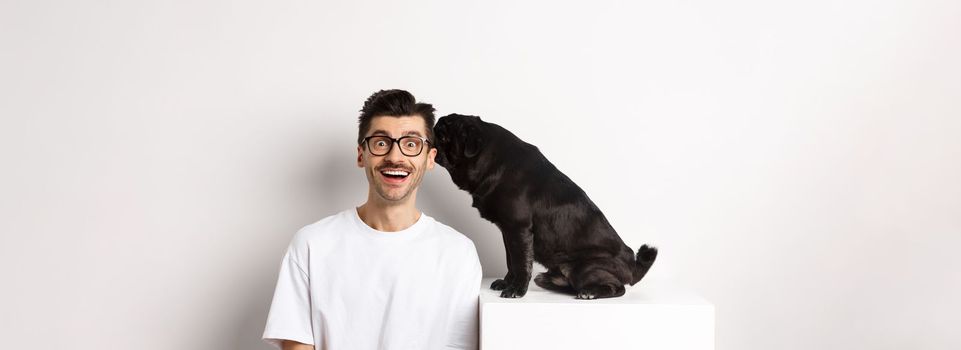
<point x="601" y="291"/>
<point x="586" y="294"/>
<point x="499" y="284"/>
<point x="514" y="291"/>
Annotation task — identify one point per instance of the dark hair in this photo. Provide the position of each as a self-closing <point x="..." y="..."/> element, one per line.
<point x="394" y="103"/>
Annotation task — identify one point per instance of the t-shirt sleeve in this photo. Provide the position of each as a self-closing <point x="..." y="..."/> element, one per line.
<point x="289" y="315"/>
<point x="464" y="310"/>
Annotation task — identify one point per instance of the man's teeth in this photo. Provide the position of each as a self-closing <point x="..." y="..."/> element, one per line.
<point x="396" y="172"/>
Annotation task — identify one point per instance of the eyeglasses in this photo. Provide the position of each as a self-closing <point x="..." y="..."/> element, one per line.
<point x="410" y="146"/>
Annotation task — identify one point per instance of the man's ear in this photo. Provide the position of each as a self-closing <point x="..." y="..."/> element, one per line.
<point x="472" y="145"/>
<point x="430" y="158"/>
<point x="360" y="156"/>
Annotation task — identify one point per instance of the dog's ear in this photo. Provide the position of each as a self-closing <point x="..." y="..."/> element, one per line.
<point x="473" y="142"/>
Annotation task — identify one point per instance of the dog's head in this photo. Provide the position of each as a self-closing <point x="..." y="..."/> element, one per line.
<point x="459" y="140"/>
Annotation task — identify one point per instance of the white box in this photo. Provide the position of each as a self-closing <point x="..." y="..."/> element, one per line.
<point x="651" y="315"/>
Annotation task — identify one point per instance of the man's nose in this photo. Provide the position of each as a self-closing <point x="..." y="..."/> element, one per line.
<point x="394" y="153"/>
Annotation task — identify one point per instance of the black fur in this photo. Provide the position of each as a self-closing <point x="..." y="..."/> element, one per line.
<point x="543" y="215"/>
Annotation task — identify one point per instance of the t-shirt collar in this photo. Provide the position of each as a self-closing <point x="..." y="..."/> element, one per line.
<point x="406" y="233"/>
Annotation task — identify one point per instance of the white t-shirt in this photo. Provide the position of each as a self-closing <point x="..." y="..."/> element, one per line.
<point x="346" y="286"/>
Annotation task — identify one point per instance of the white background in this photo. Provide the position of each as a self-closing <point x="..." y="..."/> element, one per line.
<point x="797" y="163"/>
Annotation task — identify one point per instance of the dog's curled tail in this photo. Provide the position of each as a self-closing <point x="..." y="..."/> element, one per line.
<point x="643" y="261"/>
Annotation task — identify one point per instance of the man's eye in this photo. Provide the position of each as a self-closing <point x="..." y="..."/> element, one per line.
<point x="411" y="144"/>
<point x="381" y="143"/>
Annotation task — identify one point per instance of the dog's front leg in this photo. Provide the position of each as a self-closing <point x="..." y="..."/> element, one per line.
<point x="501" y="284"/>
<point x="520" y="248"/>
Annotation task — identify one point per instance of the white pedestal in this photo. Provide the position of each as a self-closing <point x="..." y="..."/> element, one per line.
<point x="652" y="315"/>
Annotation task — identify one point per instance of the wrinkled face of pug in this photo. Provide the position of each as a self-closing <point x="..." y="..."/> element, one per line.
<point x="458" y="139"/>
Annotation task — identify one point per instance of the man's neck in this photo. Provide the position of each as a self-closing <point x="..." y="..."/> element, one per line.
<point x="388" y="218"/>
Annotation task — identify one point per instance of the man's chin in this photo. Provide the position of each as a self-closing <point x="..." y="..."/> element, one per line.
<point x="394" y="194"/>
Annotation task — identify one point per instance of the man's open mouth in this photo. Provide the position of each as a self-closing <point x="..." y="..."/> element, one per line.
<point x="395" y="175"/>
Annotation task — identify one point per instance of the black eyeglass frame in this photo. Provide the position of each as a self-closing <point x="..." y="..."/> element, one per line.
<point x="393" y="141"/>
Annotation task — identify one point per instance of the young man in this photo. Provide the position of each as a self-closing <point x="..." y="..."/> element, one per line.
<point x="382" y="275"/>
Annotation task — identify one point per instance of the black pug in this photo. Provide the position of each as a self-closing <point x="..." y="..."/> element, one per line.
<point x="543" y="216"/>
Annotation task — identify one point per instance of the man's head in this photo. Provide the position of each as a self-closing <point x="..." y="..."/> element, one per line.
<point x="395" y="143"/>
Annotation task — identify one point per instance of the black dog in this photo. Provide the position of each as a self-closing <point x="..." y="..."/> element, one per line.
<point x="543" y="216"/>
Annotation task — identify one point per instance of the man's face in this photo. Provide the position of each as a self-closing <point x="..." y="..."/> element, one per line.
<point x="382" y="171"/>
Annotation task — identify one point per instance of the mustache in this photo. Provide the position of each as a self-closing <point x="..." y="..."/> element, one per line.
<point x="400" y="166"/>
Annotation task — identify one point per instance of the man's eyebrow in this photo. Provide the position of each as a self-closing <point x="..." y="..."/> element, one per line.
<point x="385" y="133"/>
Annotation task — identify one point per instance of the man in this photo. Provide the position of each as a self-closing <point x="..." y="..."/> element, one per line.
<point x="382" y="275"/>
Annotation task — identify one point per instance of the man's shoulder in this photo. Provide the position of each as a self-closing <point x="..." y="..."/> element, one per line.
<point x="323" y="228"/>
<point x="458" y="247"/>
<point x="452" y="235"/>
